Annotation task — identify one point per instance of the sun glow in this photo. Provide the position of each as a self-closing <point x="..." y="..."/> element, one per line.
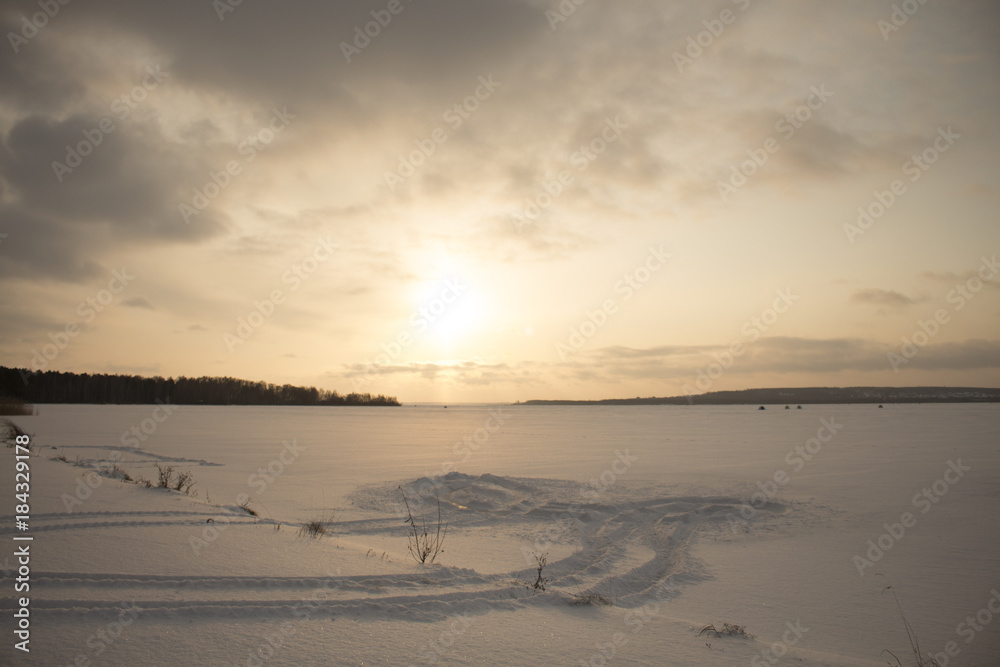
<point x="451" y="311"/>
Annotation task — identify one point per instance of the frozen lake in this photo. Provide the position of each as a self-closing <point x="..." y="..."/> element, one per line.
<point x="652" y="507"/>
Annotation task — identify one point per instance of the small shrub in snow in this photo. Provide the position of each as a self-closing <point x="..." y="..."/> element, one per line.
<point x="11" y="432"/>
<point x="728" y="630"/>
<point x="165" y="479"/>
<point x="184" y="483"/>
<point x="422" y="544"/>
<point x="318" y="527"/>
<point x="164" y="474"/>
<point x="540" y="581"/>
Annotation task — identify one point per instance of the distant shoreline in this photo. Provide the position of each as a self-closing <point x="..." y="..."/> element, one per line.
<point x="804" y="396"/>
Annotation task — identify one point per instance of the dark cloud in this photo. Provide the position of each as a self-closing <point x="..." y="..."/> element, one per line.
<point x="955" y="279"/>
<point x="881" y="297"/>
<point x="126" y="190"/>
<point x="139" y="302"/>
<point x="790" y="355"/>
<point x="37" y="246"/>
<point x="132" y="180"/>
<point x="290" y="53"/>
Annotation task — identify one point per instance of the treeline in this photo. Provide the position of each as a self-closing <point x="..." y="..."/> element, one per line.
<point x="56" y="387"/>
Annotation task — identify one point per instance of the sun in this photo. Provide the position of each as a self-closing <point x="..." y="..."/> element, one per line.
<point x="449" y="311"/>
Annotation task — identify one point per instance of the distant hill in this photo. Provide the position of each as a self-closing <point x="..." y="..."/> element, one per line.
<point x="803" y="395"/>
<point x="55" y="387"/>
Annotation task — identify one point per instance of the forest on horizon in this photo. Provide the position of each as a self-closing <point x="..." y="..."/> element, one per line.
<point x="59" y="387"/>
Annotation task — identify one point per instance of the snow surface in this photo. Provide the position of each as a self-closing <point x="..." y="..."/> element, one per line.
<point x="644" y="507"/>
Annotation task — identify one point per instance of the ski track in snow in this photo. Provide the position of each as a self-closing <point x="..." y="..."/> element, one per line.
<point x="628" y="550"/>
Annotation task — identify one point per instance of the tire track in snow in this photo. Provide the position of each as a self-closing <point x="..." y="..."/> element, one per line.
<point x="626" y="548"/>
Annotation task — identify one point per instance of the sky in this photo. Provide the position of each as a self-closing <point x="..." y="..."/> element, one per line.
<point x="501" y="200"/>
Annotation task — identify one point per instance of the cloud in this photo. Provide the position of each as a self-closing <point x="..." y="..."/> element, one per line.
<point x="467" y="372"/>
<point x="955" y="279"/>
<point x="139" y="302"/>
<point x="782" y="355"/>
<point x="774" y="355"/>
<point x="881" y="297"/>
<point x="125" y="191"/>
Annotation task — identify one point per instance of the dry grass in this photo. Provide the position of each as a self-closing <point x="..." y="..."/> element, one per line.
<point x="423" y="544"/>
<point x="11" y="432"/>
<point x="540" y="581"/>
<point x="919" y="660"/>
<point x="245" y="506"/>
<point x="15" y="407"/>
<point x="163" y="476"/>
<point x="591" y="600"/>
<point x="184" y="481"/>
<point x="318" y="527"/>
<point x="728" y="630"/>
<point x="117" y="472"/>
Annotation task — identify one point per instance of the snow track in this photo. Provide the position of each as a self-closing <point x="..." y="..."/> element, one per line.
<point x="625" y="549"/>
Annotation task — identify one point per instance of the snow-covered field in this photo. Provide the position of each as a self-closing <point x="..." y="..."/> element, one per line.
<point x="651" y="509"/>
